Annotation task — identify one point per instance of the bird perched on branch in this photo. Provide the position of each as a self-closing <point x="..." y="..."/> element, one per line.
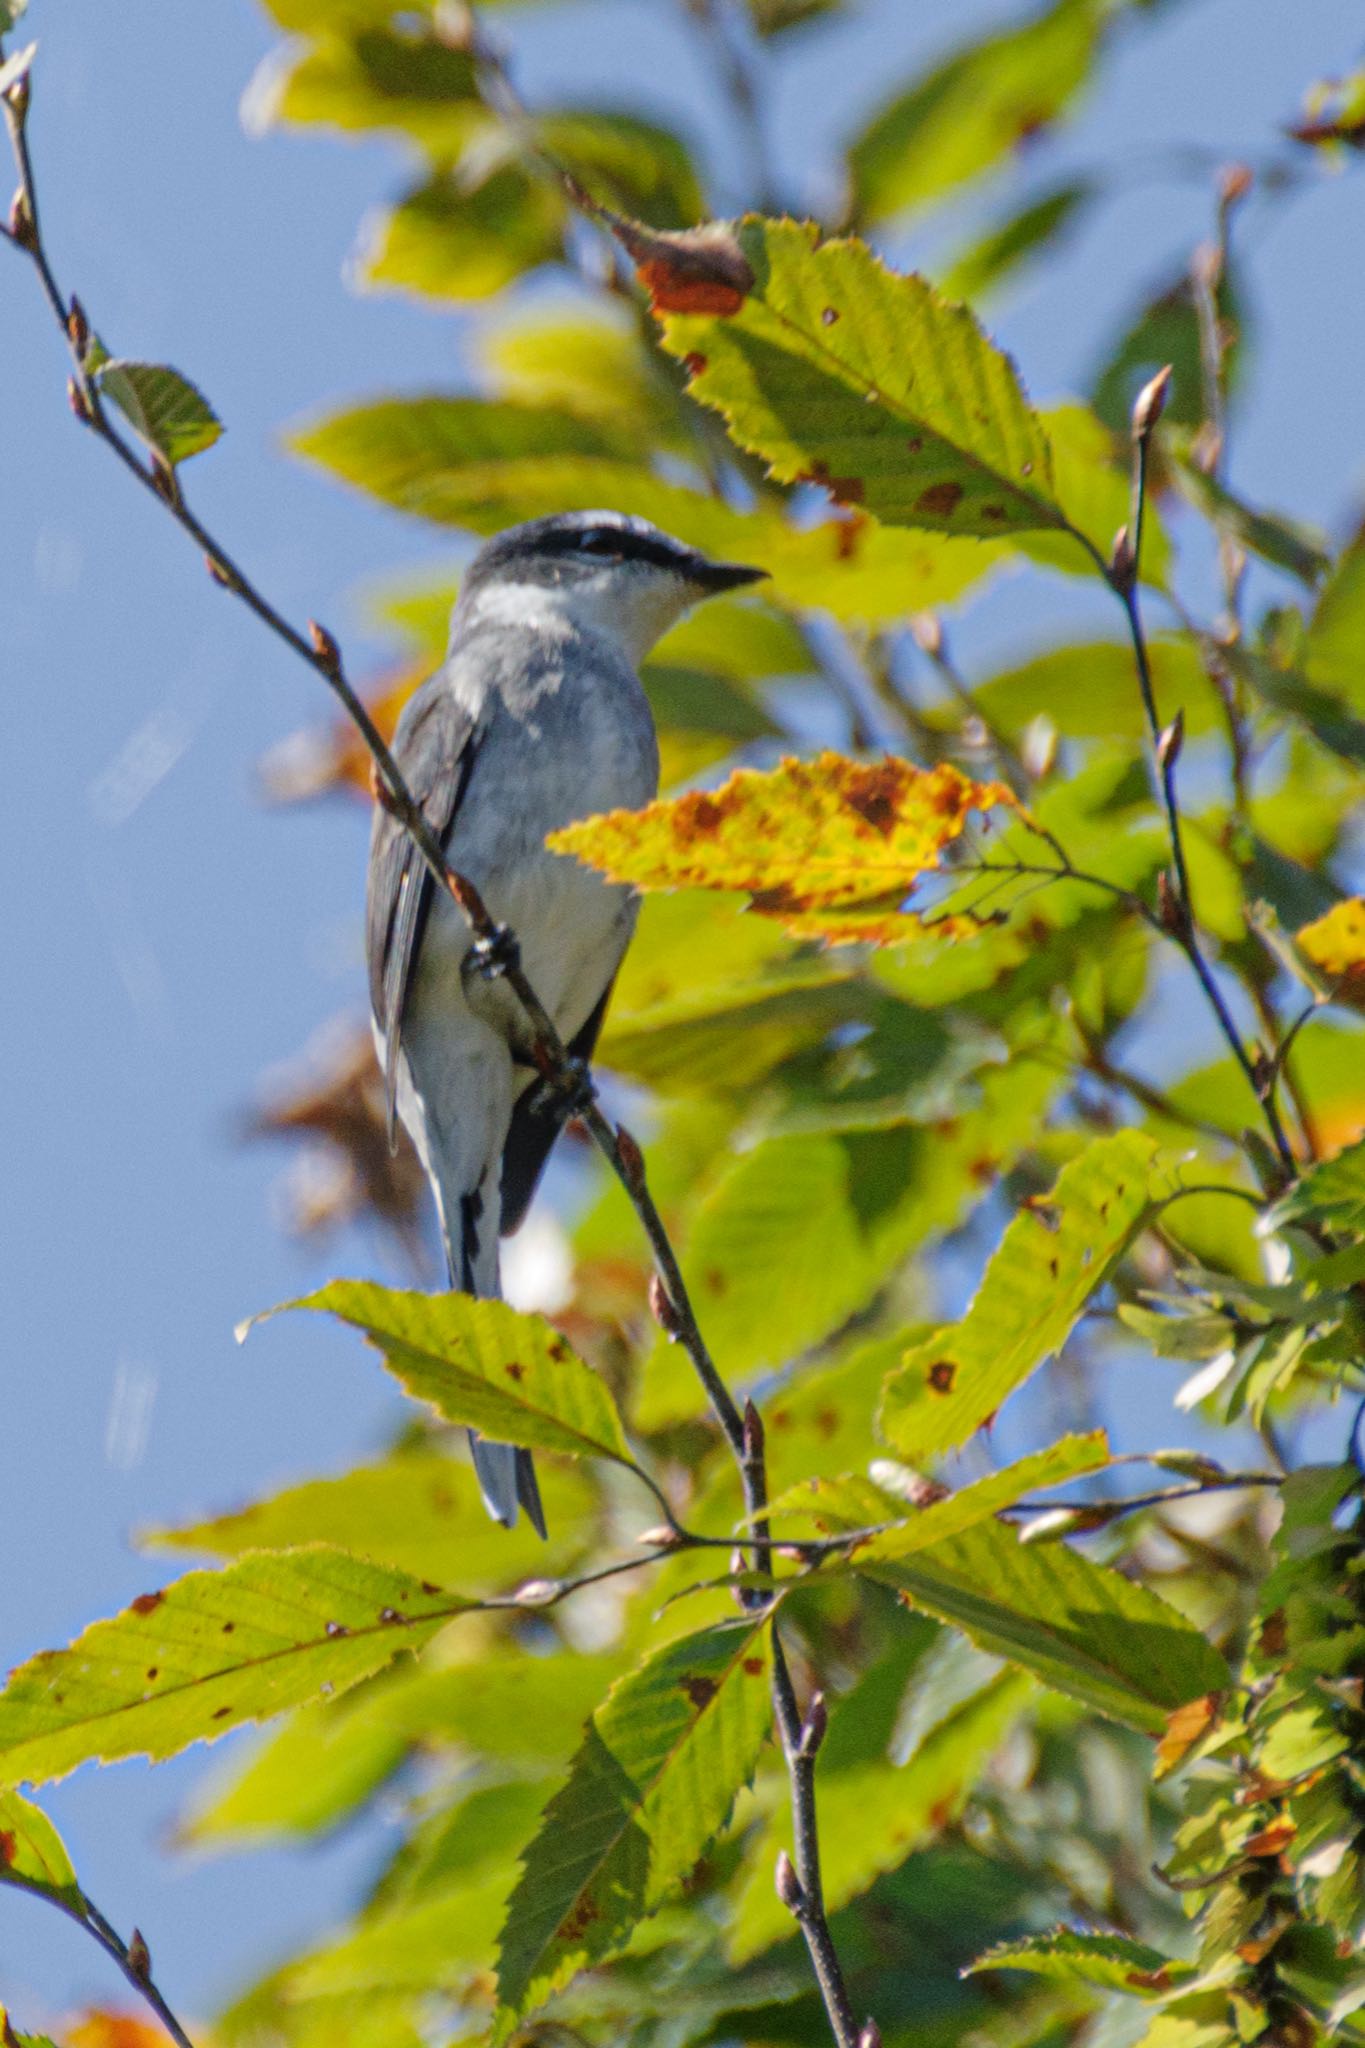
<point x="536" y="719"/>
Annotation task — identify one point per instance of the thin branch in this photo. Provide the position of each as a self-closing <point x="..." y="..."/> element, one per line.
<point x="1177" y="910"/>
<point x="131" y="1957"/>
<point x="501" y="957"/>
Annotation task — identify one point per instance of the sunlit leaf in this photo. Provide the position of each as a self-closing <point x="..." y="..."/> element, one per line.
<point x="463" y="462"/>
<point x="13" y="2036"/>
<point x="839" y="371"/>
<point x="835" y="1506"/>
<point x="362" y="74"/>
<point x="461" y="237"/>
<point x="1331" y="1194"/>
<point x="832" y="848"/>
<point x="164" y="408"/>
<point x="1112" y="1962"/>
<point x="971" y="110"/>
<point x="1334" y="118"/>
<point x="1083" y="1628"/>
<point x="418" y="1510"/>
<point x="1052" y="1258"/>
<point x="635" y="165"/>
<point x="519" y="1711"/>
<point x="872" y="1816"/>
<point x="33" y="1855"/>
<point x="1335" y="945"/>
<point x="588" y="359"/>
<point x="212" y="1651"/>
<point x="1089" y="690"/>
<point x="661" y="1764"/>
<point x="483" y="1364"/>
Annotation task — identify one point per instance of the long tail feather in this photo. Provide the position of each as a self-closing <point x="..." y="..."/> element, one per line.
<point x="506" y="1472"/>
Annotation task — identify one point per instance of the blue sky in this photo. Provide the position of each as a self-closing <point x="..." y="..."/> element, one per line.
<point x="168" y="938"/>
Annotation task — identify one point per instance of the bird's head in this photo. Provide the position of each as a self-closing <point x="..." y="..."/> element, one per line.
<point x="602" y="571"/>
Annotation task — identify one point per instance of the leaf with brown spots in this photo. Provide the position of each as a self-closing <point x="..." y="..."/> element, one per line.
<point x="1038" y="1283"/>
<point x="657" y="1774"/>
<point x="832" y="848"/>
<point x="95" y="1702"/>
<point x="482" y="1364"/>
<point x="835" y="369"/>
<point x="33" y="1855"/>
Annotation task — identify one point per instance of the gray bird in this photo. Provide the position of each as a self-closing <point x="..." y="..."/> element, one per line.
<point x="536" y="719"/>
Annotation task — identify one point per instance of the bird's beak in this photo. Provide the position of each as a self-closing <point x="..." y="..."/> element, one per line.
<point x="718" y="576"/>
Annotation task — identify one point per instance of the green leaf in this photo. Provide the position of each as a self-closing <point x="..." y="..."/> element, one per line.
<point x="1166" y="330"/>
<point x="1084" y="1629"/>
<point x="10" y="11"/>
<point x="462" y="462"/>
<point x="661" y="1764"/>
<point x="1334" y="651"/>
<point x="1089" y="690"/>
<point x="1051" y="1260"/>
<point x="483" y="1364"/>
<point x="839" y="371"/>
<point x="33" y="1855"/>
<point x="1284" y="542"/>
<point x="973" y="109"/>
<point x="14" y="2038"/>
<point x="1112" y="1962"/>
<point x="417" y="1510"/>
<point x="212" y="1651"/>
<point x="1331" y="1194"/>
<point x="369" y="75"/>
<point x="1024" y="234"/>
<point x="635" y="165"/>
<point x="872" y="1816"/>
<point x="164" y="408"/>
<point x="515" y="1710"/>
<point x="589" y="360"/>
<point x="832" y="1509"/>
<point x="463" y="238"/>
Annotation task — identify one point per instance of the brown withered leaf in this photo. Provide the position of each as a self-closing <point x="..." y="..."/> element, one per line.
<point x="696" y="270"/>
<point x="1186" y="1726"/>
<point x="331" y="759"/>
<point x="832" y="848"/>
<point x="331" y="1107"/>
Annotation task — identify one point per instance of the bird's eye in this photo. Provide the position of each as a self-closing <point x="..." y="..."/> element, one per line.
<point x="598" y="544"/>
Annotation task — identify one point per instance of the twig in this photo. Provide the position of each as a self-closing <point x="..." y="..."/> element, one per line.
<point x="1176" y="904"/>
<point x="671" y="1300"/>
<point x="926" y="629"/>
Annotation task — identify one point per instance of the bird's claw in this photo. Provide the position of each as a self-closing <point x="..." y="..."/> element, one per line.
<point x="574" y="1089"/>
<point x="497" y="955"/>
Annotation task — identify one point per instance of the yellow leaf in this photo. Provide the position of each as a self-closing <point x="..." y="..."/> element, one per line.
<point x="1335" y="944"/>
<point x="831" y="848"/>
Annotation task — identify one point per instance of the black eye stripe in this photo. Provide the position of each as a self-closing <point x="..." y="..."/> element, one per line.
<point x="617" y="542"/>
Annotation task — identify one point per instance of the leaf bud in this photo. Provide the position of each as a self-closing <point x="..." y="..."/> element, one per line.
<point x="1170" y="742"/>
<point x="78" y="328"/>
<point x="814" y="1727"/>
<point x="538" y="1592"/>
<point x="163" y="476"/>
<point x="661" y="1537"/>
<point x="739" y="1564"/>
<point x="1234" y="182"/>
<point x="1059" y="1522"/>
<point x="871" y="2036"/>
<point x="1122" y="560"/>
<point x="139" y="1957"/>
<point x="1187" y="1464"/>
<point x="788" y="1883"/>
<point x="1169" y="907"/>
<point x="218" y="573"/>
<point x="77" y="400"/>
<point x="632" y="1160"/>
<point x="927" y="631"/>
<point x="662" y="1309"/>
<point x="21" y="221"/>
<point x="1151" y="403"/>
<point x="325" y="648"/>
<point x="754" y="1439"/>
<point x="1038" y="746"/>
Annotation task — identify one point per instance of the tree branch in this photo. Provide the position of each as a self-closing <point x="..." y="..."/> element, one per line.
<point x="670" y="1298"/>
<point x="1177" y="909"/>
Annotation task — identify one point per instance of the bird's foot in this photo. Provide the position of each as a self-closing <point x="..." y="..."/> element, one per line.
<point x="574" y="1090"/>
<point x="497" y="955"/>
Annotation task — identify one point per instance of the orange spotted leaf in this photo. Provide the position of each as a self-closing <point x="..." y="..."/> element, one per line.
<point x="831" y="848"/>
